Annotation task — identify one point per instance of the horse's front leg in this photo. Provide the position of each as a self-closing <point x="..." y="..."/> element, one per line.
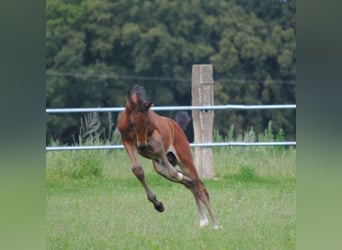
<point x="139" y="173"/>
<point x="167" y="170"/>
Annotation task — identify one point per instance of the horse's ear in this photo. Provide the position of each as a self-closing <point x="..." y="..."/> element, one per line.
<point x="148" y="105"/>
<point x="129" y="99"/>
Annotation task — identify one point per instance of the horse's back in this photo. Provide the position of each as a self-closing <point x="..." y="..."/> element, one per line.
<point x="171" y="129"/>
<point x="179" y="141"/>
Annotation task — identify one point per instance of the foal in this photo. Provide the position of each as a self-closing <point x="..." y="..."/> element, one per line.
<point x="163" y="141"/>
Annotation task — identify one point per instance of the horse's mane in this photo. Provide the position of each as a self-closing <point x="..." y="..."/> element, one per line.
<point x="139" y="91"/>
<point x="136" y="99"/>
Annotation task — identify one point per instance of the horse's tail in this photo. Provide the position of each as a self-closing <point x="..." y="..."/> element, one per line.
<point x="183" y="119"/>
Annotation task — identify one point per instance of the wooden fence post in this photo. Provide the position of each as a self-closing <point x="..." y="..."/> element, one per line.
<point x="203" y="95"/>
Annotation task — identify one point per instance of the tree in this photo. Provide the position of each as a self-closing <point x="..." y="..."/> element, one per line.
<point x="97" y="49"/>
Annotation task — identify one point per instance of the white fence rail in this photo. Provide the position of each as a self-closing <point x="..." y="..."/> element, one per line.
<point x="174" y="108"/>
<point x="212" y="144"/>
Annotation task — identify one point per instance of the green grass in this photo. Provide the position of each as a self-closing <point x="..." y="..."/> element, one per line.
<point x="253" y="197"/>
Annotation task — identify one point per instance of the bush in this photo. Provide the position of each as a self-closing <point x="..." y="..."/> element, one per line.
<point x="78" y="164"/>
<point x="74" y="164"/>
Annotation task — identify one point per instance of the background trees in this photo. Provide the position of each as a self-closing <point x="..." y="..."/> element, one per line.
<point x="97" y="49"/>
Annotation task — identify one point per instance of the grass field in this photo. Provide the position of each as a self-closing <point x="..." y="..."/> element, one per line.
<point x="253" y="196"/>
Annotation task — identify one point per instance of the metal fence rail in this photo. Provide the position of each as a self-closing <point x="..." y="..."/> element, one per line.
<point x="212" y="144"/>
<point x="174" y="108"/>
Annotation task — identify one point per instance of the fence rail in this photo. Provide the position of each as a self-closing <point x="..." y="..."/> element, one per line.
<point x="212" y="144"/>
<point x="174" y="108"/>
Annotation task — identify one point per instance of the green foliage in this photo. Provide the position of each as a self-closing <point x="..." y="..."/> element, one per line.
<point x="240" y="163"/>
<point x="268" y="133"/>
<point x="96" y="48"/>
<point x="249" y="135"/>
<point x="80" y="164"/>
<point x="257" y="162"/>
<point x="74" y="164"/>
<point x="281" y="135"/>
<point x="247" y="173"/>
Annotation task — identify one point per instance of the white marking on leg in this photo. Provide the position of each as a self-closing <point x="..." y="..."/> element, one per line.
<point x="180" y="176"/>
<point x="204" y="221"/>
<point x="217" y="227"/>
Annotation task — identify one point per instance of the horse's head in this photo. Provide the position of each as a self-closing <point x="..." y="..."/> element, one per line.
<point x="139" y="117"/>
<point x="141" y="124"/>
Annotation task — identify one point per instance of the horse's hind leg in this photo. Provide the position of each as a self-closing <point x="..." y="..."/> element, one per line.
<point x="203" y="195"/>
<point x="196" y="185"/>
<point x="162" y="169"/>
<point x="203" y="218"/>
<point x="200" y="193"/>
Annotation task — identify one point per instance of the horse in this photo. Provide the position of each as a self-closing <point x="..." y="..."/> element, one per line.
<point x="162" y="140"/>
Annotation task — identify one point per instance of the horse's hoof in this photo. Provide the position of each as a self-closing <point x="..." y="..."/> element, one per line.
<point x="179" y="177"/>
<point x="159" y="207"/>
<point x="204" y="222"/>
